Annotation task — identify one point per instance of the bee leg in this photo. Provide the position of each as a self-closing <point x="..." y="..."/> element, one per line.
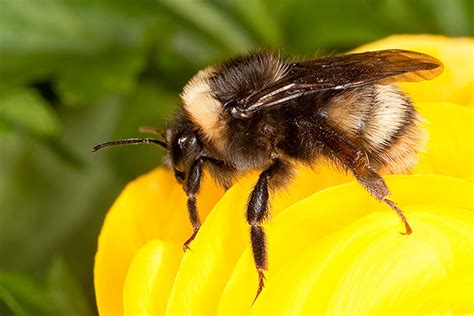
<point x="257" y="212"/>
<point x="191" y="188"/>
<point x="356" y="160"/>
<point x="376" y="186"/>
<point x="193" y="183"/>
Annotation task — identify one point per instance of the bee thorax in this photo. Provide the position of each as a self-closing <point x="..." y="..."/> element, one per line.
<point x="202" y="108"/>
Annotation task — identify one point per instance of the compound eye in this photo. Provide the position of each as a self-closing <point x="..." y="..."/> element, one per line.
<point x="177" y="154"/>
<point x="179" y="175"/>
<point x="179" y="165"/>
<point x="182" y="146"/>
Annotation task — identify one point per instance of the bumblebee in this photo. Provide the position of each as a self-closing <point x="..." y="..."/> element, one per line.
<point x="261" y="112"/>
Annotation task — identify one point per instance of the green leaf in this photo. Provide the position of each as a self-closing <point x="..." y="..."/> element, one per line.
<point x="5" y="128"/>
<point x="64" y="291"/>
<point x="25" y="109"/>
<point x="47" y="207"/>
<point x="327" y="24"/>
<point x="207" y="18"/>
<point x="451" y="16"/>
<point x="82" y="82"/>
<point x="23" y="296"/>
<point x="258" y="19"/>
<point x="90" y="48"/>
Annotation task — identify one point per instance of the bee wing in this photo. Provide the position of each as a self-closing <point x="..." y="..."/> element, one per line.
<point x="344" y="72"/>
<point x="352" y="70"/>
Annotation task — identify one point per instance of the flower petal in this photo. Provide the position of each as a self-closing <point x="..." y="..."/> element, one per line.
<point x="150" y="277"/>
<point x="322" y="214"/>
<point x="368" y="268"/>
<point x="450" y="147"/>
<point x="455" y="84"/>
<point x="151" y="207"/>
<point x="205" y="269"/>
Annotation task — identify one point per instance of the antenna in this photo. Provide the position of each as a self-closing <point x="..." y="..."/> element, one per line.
<point x="129" y="141"/>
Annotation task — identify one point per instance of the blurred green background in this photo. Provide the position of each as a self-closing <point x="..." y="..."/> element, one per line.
<point x="77" y="72"/>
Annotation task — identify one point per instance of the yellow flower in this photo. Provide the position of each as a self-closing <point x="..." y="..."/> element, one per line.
<point x="333" y="249"/>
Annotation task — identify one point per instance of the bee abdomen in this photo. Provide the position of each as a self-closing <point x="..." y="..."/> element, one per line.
<point x="381" y="120"/>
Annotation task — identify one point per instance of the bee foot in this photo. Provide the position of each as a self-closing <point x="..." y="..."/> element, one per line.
<point x="408" y="229"/>
<point x="261" y="284"/>
<point x="187" y="242"/>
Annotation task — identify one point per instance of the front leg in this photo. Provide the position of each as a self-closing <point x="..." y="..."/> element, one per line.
<point x="192" y="186"/>
<point x="257" y="212"/>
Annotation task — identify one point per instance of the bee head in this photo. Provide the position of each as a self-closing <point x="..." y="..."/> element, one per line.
<point x="184" y="149"/>
<point x="180" y="140"/>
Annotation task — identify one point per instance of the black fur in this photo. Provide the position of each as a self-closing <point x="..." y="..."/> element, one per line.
<point x="240" y="76"/>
